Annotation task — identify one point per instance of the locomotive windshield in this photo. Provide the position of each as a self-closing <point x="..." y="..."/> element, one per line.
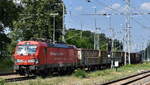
<point x="26" y="49"/>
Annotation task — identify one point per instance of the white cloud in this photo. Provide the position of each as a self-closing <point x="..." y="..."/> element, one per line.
<point x="145" y="6"/>
<point x="79" y="8"/>
<point x="124" y="8"/>
<point x="114" y="6"/>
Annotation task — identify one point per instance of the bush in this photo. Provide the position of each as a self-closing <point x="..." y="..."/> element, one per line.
<point x="2" y="82"/>
<point x="80" y="73"/>
<point x="6" y="62"/>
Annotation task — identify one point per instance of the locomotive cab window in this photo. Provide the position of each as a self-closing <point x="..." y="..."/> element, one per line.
<point x="26" y="49"/>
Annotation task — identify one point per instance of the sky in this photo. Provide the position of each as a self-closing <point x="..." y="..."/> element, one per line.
<point x="78" y="10"/>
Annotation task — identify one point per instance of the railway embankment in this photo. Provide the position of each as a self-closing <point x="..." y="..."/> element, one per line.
<point x="91" y="78"/>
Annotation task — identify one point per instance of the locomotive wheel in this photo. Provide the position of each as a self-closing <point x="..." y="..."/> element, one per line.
<point x="27" y="73"/>
<point x="21" y="73"/>
<point x="43" y="73"/>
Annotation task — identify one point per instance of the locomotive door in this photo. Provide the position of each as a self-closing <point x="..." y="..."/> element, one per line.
<point x="45" y="55"/>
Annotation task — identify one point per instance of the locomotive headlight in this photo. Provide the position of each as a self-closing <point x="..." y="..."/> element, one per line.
<point x="31" y="60"/>
<point x="36" y="61"/>
<point x="18" y="61"/>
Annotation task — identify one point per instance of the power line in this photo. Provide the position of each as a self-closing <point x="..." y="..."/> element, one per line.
<point x="103" y="4"/>
<point x="140" y="24"/>
<point x="128" y="14"/>
<point x="139" y="11"/>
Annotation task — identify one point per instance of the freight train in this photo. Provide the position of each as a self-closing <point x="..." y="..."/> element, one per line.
<point x="37" y="57"/>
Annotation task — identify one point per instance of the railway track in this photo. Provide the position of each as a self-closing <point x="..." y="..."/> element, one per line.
<point x="6" y="74"/>
<point x="19" y="79"/>
<point x="131" y="80"/>
<point x="14" y="77"/>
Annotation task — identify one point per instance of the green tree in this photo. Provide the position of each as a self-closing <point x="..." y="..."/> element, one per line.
<point x="118" y="45"/>
<point x="85" y="39"/>
<point x="36" y="21"/>
<point x="8" y="13"/>
<point x="103" y="42"/>
<point x="81" y="41"/>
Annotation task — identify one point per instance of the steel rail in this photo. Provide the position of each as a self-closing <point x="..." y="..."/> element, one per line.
<point x="118" y="80"/>
<point x="19" y="79"/>
<point x="10" y="73"/>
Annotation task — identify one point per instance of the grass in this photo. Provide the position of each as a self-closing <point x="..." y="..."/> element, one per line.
<point x="2" y="82"/>
<point x="83" y="78"/>
<point x="80" y="73"/>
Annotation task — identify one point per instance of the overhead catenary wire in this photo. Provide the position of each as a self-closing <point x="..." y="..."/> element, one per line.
<point x="141" y="13"/>
<point x="140" y="24"/>
<point x="116" y="10"/>
<point x="105" y="5"/>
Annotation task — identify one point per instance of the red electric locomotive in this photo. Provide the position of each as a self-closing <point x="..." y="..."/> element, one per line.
<point x="35" y="57"/>
<point x="41" y="57"/>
